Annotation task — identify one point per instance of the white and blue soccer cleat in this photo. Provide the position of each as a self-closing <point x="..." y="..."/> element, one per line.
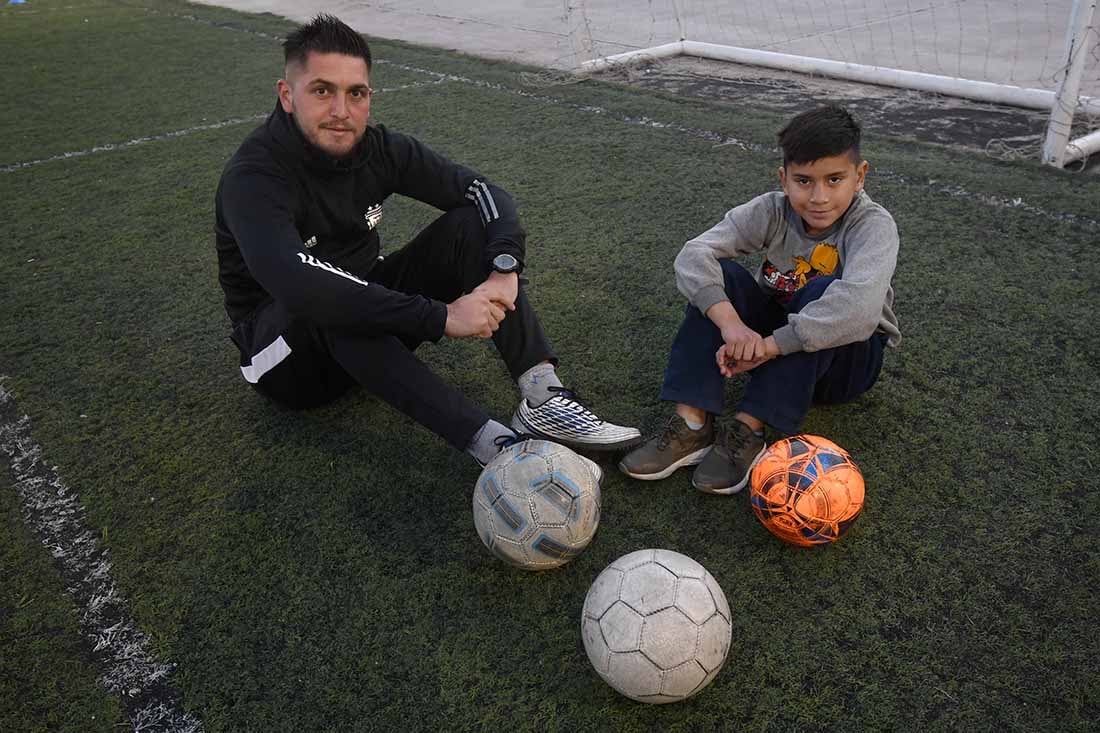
<point x="563" y="419"/>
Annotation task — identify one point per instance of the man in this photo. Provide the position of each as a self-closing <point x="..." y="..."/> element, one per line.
<point x="316" y="308"/>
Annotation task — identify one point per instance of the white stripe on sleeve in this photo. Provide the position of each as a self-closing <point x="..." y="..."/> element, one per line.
<point x="314" y="262"/>
<point x="475" y="196"/>
<point x="489" y="198"/>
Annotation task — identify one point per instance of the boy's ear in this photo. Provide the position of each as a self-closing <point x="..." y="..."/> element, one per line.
<point x="861" y="174"/>
<point x="783" y="175"/>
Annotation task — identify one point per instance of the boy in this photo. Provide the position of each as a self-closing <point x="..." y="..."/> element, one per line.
<point x="811" y="325"/>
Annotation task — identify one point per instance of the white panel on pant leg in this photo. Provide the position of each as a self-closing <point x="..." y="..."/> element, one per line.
<point x="267" y="359"/>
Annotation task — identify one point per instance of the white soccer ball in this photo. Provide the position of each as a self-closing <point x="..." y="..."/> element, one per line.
<point x="656" y="626"/>
<point x="536" y="505"/>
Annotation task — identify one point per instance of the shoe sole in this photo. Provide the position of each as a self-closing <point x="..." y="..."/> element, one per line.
<point x="691" y="459"/>
<point x="738" y="486"/>
<point x="522" y="427"/>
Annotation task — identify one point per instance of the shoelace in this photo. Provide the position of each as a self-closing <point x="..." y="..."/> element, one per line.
<point x="505" y="441"/>
<point x="575" y="398"/>
<point x="667" y="433"/>
<point x="732" y="436"/>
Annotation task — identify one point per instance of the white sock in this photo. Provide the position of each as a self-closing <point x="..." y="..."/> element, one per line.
<point x="694" y="425"/>
<point x="483" y="445"/>
<point x="534" y="384"/>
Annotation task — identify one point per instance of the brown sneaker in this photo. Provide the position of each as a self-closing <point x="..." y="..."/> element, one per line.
<point x="726" y="469"/>
<point x="675" y="446"/>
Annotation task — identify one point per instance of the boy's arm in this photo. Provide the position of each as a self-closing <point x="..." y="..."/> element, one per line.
<point x="851" y="307"/>
<point x="743" y="230"/>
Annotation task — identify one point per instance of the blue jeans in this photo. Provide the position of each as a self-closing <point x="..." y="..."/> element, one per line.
<point x="780" y="391"/>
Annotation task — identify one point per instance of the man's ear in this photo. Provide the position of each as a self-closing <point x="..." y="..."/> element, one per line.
<point x="283" y="88"/>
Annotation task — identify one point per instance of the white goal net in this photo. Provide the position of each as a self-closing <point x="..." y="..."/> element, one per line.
<point x="1016" y="42"/>
<point x="1007" y="51"/>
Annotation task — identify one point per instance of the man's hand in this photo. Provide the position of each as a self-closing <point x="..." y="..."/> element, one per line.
<point x="474" y="314"/>
<point x="502" y="288"/>
<point x="732" y="367"/>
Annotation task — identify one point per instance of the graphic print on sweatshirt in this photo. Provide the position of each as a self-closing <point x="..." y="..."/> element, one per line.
<point x="823" y="261"/>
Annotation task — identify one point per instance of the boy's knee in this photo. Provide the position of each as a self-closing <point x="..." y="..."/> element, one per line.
<point x="694" y="315"/>
<point x="736" y="277"/>
<point x="810" y="292"/>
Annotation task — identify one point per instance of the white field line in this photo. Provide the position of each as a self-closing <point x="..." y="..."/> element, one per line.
<point x="121" y="651"/>
<point x="131" y="143"/>
<point x="178" y="133"/>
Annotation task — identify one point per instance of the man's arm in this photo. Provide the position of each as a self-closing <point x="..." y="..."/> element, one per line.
<point x="256" y="208"/>
<point x="415" y="170"/>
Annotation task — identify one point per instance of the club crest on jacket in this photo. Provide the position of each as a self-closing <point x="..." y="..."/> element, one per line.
<point x="373" y="215"/>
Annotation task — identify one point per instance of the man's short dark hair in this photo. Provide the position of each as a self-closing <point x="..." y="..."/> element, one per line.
<point x="325" y="34"/>
<point x="820" y="133"/>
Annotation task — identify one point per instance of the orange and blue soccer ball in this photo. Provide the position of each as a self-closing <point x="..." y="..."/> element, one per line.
<point x="806" y="490"/>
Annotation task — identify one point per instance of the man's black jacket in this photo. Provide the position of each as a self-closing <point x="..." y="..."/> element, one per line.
<point x="298" y="226"/>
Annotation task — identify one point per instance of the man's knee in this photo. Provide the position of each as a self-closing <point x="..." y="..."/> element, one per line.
<point x="457" y="240"/>
<point x="460" y="225"/>
<point x="465" y="216"/>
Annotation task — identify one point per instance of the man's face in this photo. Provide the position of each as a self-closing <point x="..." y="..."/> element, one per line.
<point x="822" y="190"/>
<point x="329" y="97"/>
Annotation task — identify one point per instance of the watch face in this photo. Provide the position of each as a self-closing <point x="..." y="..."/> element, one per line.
<point x="505" y="263"/>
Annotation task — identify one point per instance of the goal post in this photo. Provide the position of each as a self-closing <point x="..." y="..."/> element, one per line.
<point x="1058" y="149"/>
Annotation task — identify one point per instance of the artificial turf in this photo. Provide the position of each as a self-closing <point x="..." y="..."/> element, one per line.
<point x="320" y="570"/>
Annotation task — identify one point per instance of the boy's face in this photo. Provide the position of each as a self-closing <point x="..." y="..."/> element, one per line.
<point x="822" y="190"/>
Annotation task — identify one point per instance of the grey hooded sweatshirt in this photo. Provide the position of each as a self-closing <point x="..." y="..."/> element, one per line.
<point x="860" y="249"/>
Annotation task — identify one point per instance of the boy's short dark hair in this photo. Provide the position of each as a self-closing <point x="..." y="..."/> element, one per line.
<point x="820" y="133"/>
<point x="325" y="34"/>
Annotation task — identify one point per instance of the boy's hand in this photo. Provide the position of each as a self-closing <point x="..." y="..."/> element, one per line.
<point x="730" y="367"/>
<point x="744" y="348"/>
<point x="742" y="343"/>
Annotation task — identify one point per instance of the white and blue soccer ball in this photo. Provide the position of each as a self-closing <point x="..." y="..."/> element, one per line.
<point x="656" y="626"/>
<point x="536" y="505"/>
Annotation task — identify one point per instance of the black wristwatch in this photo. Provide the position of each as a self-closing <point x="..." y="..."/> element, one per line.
<point x="505" y="263"/>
